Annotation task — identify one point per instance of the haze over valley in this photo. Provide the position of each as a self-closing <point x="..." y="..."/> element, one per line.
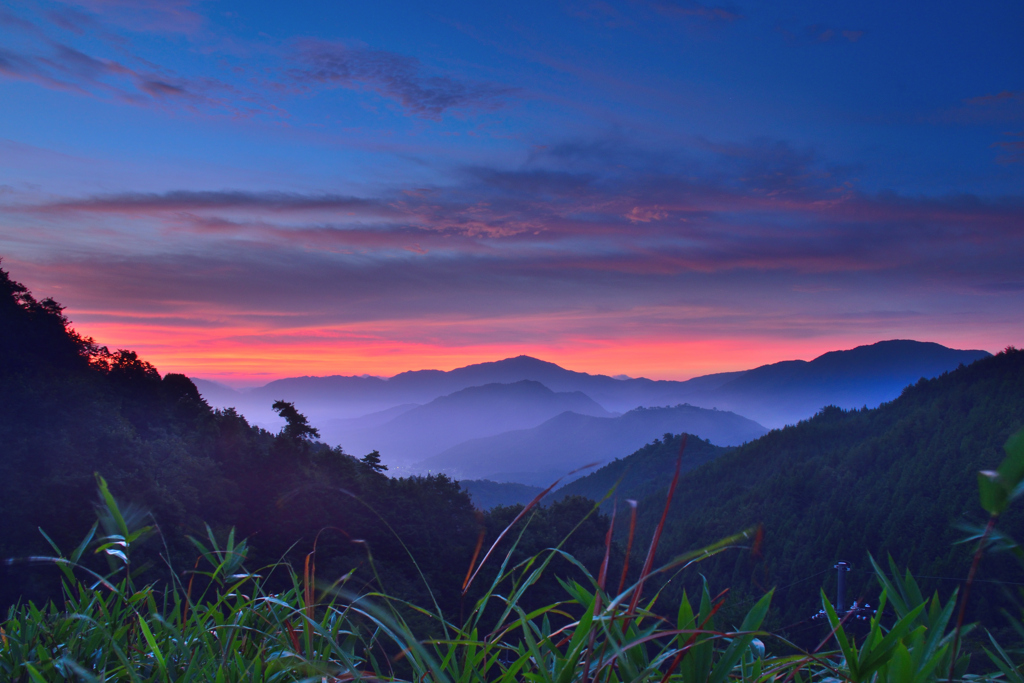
<point x="529" y="421"/>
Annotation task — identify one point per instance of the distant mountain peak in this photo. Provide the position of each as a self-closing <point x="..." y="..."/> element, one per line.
<point x="521" y="361"/>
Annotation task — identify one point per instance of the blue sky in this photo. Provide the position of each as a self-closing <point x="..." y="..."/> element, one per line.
<point x="252" y="190"/>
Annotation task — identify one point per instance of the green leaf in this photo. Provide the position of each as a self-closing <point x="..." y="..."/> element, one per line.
<point x="77" y="554"/>
<point x="111" y="504"/>
<point x="849" y="653"/>
<point x="153" y="645"/>
<point x="733" y="655"/>
<point x="36" y="678"/>
<point x="994" y="495"/>
<point x="1011" y="470"/>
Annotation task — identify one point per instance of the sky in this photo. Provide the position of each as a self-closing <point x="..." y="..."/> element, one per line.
<point x="243" y="191"/>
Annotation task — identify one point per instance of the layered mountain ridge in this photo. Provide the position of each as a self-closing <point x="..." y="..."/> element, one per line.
<point x="865" y="375"/>
<point x="476" y="414"/>
<point x="568" y="442"/>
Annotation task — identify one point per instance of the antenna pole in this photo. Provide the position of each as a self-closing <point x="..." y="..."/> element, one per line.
<point x="841" y="568"/>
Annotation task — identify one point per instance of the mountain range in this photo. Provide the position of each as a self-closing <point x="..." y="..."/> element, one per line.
<point x="435" y="420"/>
<point x="774" y="395"/>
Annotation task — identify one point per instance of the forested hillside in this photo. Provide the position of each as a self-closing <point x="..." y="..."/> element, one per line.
<point x="72" y="408"/>
<point x="646" y="472"/>
<point x="895" y="480"/>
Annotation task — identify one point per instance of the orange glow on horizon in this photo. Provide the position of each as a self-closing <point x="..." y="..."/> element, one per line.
<point x="250" y="357"/>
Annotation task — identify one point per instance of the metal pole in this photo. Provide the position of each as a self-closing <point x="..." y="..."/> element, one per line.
<point x="841" y="568"/>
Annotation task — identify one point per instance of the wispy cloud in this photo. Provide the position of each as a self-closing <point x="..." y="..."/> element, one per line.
<point x="397" y="77"/>
<point x="57" y="65"/>
<point x="185" y="200"/>
<point x="820" y="33"/>
<point x="1004" y="97"/>
<point x="999" y="107"/>
<point x="694" y="9"/>
<point x="1012" y="150"/>
<point x="149" y="16"/>
<point x="766" y="207"/>
<point x="62" y="49"/>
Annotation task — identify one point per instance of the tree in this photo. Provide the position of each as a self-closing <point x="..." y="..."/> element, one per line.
<point x="372" y="460"/>
<point x="298" y="426"/>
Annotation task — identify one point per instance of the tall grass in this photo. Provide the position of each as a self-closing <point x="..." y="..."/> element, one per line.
<point x="219" y="623"/>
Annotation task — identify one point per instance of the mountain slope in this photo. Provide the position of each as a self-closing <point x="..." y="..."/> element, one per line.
<point x="343" y="425"/>
<point x="783" y="393"/>
<point x="471" y="413"/>
<point x="892" y="480"/>
<point x="490" y="494"/>
<point x="540" y="455"/>
<point x="645" y="472"/>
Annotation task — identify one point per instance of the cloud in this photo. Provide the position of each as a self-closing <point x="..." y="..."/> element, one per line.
<point x="757" y="239"/>
<point x="693" y="9"/>
<point x="187" y="200"/>
<point x="162" y="89"/>
<point x="741" y="229"/>
<point x="1003" y="106"/>
<point x="60" y="66"/>
<point x="61" y="48"/>
<point x="767" y="208"/>
<point x="1006" y="96"/>
<point x="1012" y="150"/>
<point x="83" y="48"/>
<point x="151" y="16"/>
<point x="646" y="214"/>
<point x="64" y="68"/>
<point x="819" y="33"/>
<point x="397" y="77"/>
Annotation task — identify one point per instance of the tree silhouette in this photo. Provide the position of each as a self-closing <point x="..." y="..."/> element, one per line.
<point x="372" y="460"/>
<point x="298" y="426"/>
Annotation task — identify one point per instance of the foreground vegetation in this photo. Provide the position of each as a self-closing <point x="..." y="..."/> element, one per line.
<point x="218" y="622"/>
